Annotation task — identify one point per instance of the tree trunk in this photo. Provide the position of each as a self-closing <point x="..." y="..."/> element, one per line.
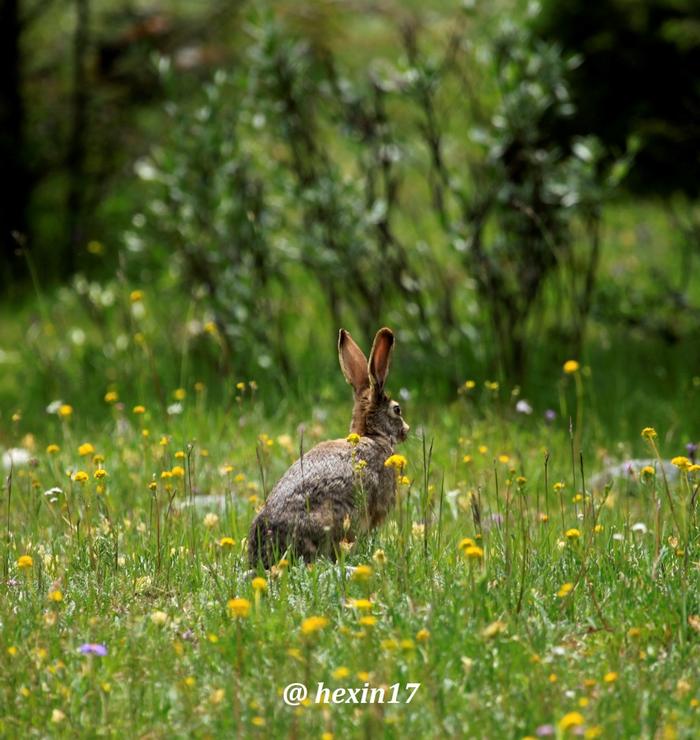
<point x="75" y="161"/>
<point x="17" y="181"/>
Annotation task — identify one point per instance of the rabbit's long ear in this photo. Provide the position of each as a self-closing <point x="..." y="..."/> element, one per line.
<point x="353" y="362"/>
<point x="380" y="358"/>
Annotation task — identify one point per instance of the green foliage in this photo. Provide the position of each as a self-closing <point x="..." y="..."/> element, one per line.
<point x="293" y="161"/>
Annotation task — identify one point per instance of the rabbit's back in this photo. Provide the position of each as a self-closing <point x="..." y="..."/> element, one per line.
<point x="332" y="491"/>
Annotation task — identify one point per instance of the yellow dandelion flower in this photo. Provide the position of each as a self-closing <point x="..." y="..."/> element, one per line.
<point x="649" y="433"/>
<point x="422" y="635"/>
<point x="363" y="675"/>
<point x="505" y="459"/>
<point x="178" y="471"/>
<point x="179" y="394"/>
<point x="610" y="677"/>
<point x="565" y="589"/>
<point x="24" y="562"/>
<point x="165" y="475"/>
<point x="353" y="438"/>
<point x="135" y="296"/>
<point x="239" y="608"/>
<point x="469" y="385"/>
<point x="473" y="552"/>
<point x="571" y="367"/>
<point x="180" y="455"/>
<point x="361" y="604"/>
<point x="544" y="518"/>
<point x="634" y="632"/>
<point x="259" y="584"/>
<point x="398" y="462"/>
<point x="571" y="720"/>
<point x="111" y="397"/>
<point x="310" y="625"/>
<point x="483" y="449"/>
<point x="139" y="409"/>
<point x="598" y="528"/>
<point x="52" y="449"/>
<point x="227" y="542"/>
<point x="559" y="486"/>
<point x="81" y="477"/>
<point x="681" y="462"/>
<point x="572" y="534"/>
<point x="100" y="473"/>
<point x="648" y="472"/>
<point x="466" y="542"/>
<point x="65" y="410"/>
<point x="368" y="621"/>
<point x="56" y="596"/>
<point x="258" y="721"/>
<point x="467" y="459"/>
<point x="341" y="672"/>
<point x="362" y="573"/>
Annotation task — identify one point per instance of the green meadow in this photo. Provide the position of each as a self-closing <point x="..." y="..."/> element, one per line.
<point x="235" y="186"/>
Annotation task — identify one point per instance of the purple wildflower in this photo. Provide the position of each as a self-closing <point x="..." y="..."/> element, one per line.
<point x="550" y="415"/>
<point x="692" y="449"/>
<point x="93" y="648"/>
<point x="544" y="730"/>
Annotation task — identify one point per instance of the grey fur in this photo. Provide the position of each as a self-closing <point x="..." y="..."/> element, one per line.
<point x="337" y="490"/>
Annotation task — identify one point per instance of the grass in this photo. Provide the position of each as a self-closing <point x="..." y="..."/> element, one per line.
<point x="500" y="644"/>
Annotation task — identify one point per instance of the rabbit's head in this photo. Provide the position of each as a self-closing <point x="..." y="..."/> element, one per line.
<point x="374" y="413"/>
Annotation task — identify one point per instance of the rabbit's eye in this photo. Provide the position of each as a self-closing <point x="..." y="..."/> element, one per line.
<point x="397" y="410"/>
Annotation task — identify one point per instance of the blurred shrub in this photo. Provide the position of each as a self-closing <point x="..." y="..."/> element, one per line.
<point x="639" y="77"/>
<point x="207" y="219"/>
<point x="529" y="213"/>
<point x="294" y="197"/>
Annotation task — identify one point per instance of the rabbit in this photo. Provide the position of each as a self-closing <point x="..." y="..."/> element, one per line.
<point x="340" y="488"/>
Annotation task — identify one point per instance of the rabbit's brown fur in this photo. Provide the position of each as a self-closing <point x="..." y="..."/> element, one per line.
<point x="337" y="490"/>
